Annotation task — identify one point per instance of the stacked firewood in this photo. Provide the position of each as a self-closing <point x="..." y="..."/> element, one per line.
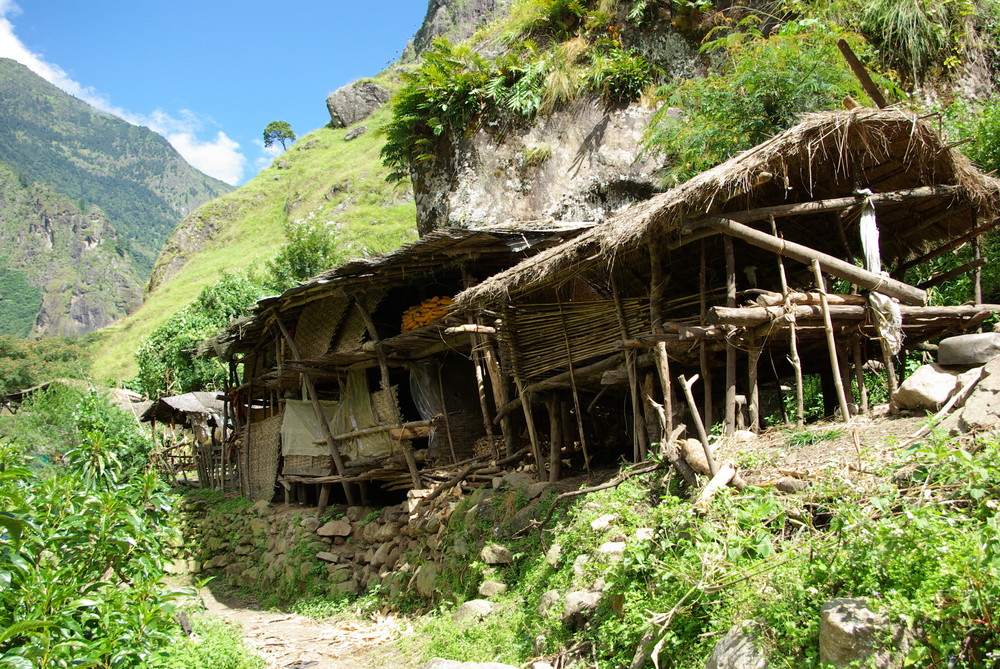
<point x="426" y="312"/>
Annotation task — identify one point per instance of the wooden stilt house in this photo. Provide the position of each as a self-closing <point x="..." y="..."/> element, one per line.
<point x="789" y="259"/>
<point x="191" y="429"/>
<point x="362" y="376"/>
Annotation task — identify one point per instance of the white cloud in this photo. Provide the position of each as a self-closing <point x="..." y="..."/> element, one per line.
<point x="269" y="154"/>
<point x="219" y="156"/>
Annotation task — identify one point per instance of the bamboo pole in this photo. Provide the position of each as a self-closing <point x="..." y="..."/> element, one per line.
<point x="753" y="401"/>
<point x="706" y="369"/>
<point x="498" y="383"/>
<point x="554" y="408"/>
<point x="576" y="392"/>
<point x="657" y="285"/>
<point x="831" y="343"/>
<point x="730" y="425"/>
<point x="638" y="422"/>
<point x="361" y="303"/>
<point x="447" y="422"/>
<point x="338" y="461"/>
<point x="481" y="388"/>
<point x="536" y="448"/>
<point x="859" y="374"/>
<point x="793" y="346"/>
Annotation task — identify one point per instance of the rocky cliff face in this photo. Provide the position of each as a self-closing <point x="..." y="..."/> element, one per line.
<point x="455" y="20"/>
<point x="75" y="261"/>
<point x="579" y="164"/>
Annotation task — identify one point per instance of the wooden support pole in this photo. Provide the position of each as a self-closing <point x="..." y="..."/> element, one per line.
<point x="361" y="303"/>
<point x="831" y="343"/>
<point x="793" y="345"/>
<point x="576" y="392"/>
<point x="554" y="407"/>
<point x="639" y="437"/>
<point x="338" y="461"/>
<point x="481" y="388"/>
<point x="498" y="383"/>
<point x="830" y="264"/>
<point x="975" y="233"/>
<point x="730" y="425"/>
<point x="657" y="286"/>
<point x="703" y="363"/>
<point x="447" y="421"/>
<point x="753" y="391"/>
<point x="529" y="419"/>
<point x="859" y="374"/>
<point x="861" y="73"/>
<point x="698" y="424"/>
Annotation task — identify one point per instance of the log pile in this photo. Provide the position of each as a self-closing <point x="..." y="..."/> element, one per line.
<point x="426" y="312"/>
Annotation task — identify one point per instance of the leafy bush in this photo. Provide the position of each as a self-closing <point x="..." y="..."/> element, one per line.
<point x="80" y="564"/>
<point x="215" y="645"/>
<point x="761" y="88"/>
<point x="167" y="358"/>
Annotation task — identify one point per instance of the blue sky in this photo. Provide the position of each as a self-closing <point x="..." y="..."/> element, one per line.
<point x="209" y="74"/>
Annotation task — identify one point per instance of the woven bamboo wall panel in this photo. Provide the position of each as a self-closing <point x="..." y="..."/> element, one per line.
<point x="265" y="444"/>
<point x="318" y="322"/>
<point x="535" y="336"/>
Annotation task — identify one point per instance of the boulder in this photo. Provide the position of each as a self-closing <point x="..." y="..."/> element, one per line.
<point x="355" y="102"/>
<point x="694" y="453"/>
<point x="982" y="408"/>
<point x="354" y="133"/>
<point x="603" y="522"/>
<point x="969" y="349"/>
<point x="927" y="389"/>
<point x="491" y="588"/>
<point x="496" y="554"/>
<point x="549" y="599"/>
<point x="426" y="580"/>
<point x="473" y="611"/>
<point x="335" y="528"/>
<point x="738" y="649"/>
<point x="849" y="632"/>
<point x="612" y="548"/>
<point x="579" y="605"/>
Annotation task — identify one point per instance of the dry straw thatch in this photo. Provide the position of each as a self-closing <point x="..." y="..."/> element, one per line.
<point x="826" y="155"/>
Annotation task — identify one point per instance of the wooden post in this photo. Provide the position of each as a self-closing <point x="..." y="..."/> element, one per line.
<point x="657" y="285"/>
<point x="639" y="438"/>
<point x="498" y="382"/>
<point x="536" y="449"/>
<point x="977" y="277"/>
<point x="706" y="369"/>
<point x="753" y="391"/>
<point x="447" y="421"/>
<point x="575" y="390"/>
<point x="554" y="407"/>
<point x="383" y="363"/>
<point x="481" y="388"/>
<point x="859" y="375"/>
<point x="698" y="424"/>
<point x="730" y="426"/>
<point x="338" y="461"/>
<point x="793" y="346"/>
<point x="831" y="343"/>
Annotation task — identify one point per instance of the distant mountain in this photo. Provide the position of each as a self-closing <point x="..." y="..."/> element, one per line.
<point x="126" y="182"/>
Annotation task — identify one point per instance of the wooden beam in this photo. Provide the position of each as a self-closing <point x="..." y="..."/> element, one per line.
<point x="832" y="204"/>
<point x="830" y="264"/>
<point x="862" y="74"/>
<point x="953" y="244"/>
<point x="752" y="316"/>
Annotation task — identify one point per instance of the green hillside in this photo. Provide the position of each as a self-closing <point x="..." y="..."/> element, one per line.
<point x="134" y="175"/>
<point x="320" y="179"/>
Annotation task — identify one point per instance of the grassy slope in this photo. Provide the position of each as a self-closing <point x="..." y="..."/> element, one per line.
<point x="332" y="180"/>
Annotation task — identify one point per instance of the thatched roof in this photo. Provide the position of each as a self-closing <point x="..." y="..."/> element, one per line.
<point x="182" y="409"/>
<point x="484" y="251"/>
<point x="827" y="155"/>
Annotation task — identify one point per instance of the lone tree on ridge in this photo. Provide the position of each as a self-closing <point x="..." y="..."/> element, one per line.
<point x="278" y="131"/>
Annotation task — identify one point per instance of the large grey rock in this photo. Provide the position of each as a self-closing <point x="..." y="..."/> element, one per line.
<point x="438" y="663"/>
<point x="548" y="599"/>
<point x="738" y="649"/>
<point x="335" y="528"/>
<point x="491" y="588"/>
<point x="579" y="606"/>
<point x="927" y="389"/>
<point x="849" y="631"/>
<point x="496" y="554"/>
<point x="981" y="410"/>
<point x="473" y="610"/>
<point x="426" y="580"/>
<point x="969" y="349"/>
<point x="355" y="102"/>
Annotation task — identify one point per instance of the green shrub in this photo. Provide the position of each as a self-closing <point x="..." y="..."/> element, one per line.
<point x="309" y="249"/>
<point x="215" y="645"/>
<point x="167" y="358"/>
<point x="761" y="87"/>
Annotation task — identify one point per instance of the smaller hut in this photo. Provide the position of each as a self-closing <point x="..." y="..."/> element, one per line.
<point x="191" y="433"/>
<point x="364" y="377"/>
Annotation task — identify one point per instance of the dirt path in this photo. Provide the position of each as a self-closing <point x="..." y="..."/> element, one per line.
<point x="288" y="641"/>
